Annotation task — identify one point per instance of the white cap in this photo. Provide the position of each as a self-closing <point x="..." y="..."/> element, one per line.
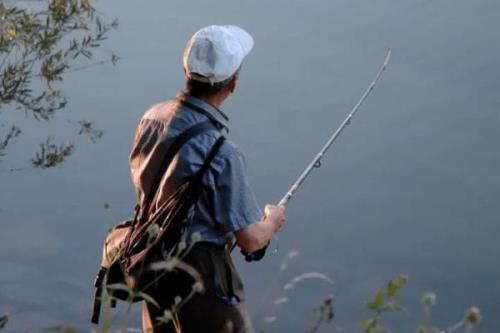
<point x="216" y="52"/>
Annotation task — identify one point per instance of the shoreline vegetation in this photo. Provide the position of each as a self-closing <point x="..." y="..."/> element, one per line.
<point x="383" y="302"/>
<point x="41" y="42"/>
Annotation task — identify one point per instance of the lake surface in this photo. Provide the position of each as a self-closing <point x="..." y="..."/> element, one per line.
<point x="413" y="186"/>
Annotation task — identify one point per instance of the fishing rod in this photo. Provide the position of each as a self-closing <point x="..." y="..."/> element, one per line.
<point x="316" y="162"/>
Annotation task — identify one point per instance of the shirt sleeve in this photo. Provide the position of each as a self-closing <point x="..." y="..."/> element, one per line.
<point x="235" y="206"/>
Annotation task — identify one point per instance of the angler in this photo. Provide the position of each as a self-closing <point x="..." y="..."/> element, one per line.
<point x="226" y="210"/>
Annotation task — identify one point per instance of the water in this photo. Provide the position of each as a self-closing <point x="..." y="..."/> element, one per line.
<point x="412" y="186"/>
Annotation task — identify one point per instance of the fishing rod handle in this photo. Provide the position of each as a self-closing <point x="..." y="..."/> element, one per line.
<point x="289" y="195"/>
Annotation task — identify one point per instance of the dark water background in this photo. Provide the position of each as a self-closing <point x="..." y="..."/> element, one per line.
<point x="413" y="186"/>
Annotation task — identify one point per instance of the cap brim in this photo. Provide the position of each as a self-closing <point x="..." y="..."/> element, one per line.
<point x="243" y="37"/>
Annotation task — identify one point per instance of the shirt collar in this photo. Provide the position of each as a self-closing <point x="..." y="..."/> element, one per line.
<point x="220" y="117"/>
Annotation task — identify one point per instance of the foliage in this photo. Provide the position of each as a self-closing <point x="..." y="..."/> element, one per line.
<point x="51" y="154"/>
<point x="179" y="302"/>
<point x="12" y="133"/>
<point x="323" y="313"/>
<point x="428" y="301"/>
<point x="3" y="321"/>
<point x="384" y="301"/>
<point x="87" y="129"/>
<point x="45" y="41"/>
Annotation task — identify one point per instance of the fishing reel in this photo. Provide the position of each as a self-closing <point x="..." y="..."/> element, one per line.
<point x="256" y="255"/>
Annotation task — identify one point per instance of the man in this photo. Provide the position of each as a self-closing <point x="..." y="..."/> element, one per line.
<point x="226" y="210"/>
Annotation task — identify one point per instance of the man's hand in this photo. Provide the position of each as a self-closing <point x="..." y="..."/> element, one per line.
<point x="257" y="235"/>
<point x="275" y="215"/>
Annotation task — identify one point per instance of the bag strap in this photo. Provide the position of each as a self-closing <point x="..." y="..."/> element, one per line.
<point x="96" y="308"/>
<point x="211" y="155"/>
<point x="174" y="148"/>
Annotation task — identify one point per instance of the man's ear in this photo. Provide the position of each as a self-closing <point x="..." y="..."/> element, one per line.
<point x="232" y="84"/>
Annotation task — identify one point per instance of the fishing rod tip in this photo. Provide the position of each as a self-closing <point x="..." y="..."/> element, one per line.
<point x="387" y="57"/>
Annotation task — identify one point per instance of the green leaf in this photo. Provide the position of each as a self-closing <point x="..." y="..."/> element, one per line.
<point x="51" y="155"/>
<point x="368" y="324"/>
<point x="393" y="288"/>
<point x="377" y="301"/>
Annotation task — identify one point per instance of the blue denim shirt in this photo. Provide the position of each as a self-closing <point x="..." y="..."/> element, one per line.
<point x="227" y="203"/>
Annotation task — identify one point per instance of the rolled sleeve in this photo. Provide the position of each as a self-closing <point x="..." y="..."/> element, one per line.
<point x="235" y="205"/>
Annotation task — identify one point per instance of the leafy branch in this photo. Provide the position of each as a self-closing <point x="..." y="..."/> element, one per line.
<point x="384" y="301"/>
<point x="12" y="133"/>
<point x="42" y="45"/>
<point x="51" y="154"/>
<point x="323" y="313"/>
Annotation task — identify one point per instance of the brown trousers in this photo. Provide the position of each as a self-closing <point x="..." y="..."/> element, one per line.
<point x="219" y="309"/>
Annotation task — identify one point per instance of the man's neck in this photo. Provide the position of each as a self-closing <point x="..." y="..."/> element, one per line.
<point x="214" y="100"/>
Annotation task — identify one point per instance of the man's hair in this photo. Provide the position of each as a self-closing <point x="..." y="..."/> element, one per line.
<point x="197" y="88"/>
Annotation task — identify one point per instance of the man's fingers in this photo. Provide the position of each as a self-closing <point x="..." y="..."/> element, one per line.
<point x="275" y="213"/>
